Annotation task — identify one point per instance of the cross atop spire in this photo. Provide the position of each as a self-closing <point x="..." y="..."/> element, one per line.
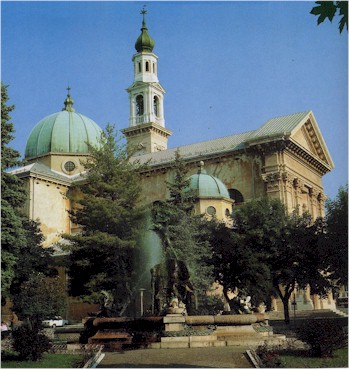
<point x="144" y="41"/>
<point x="68" y="103"/>
<point x="143" y="12"/>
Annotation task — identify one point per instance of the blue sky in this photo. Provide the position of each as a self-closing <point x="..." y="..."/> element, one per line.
<point x="227" y="67"/>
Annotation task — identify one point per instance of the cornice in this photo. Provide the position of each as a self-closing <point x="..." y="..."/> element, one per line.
<point x="309" y="158"/>
<point x="146" y="128"/>
<point x="290" y="145"/>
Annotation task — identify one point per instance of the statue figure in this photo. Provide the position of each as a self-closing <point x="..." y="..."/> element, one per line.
<point x="107" y="304"/>
<point x="240" y="304"/>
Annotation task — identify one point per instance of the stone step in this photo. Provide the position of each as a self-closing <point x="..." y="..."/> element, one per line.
<point x="326" y="313"/>
<point x="234" y="339"/>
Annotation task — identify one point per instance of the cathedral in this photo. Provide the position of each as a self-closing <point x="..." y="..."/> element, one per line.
<point x="285" y="158"/>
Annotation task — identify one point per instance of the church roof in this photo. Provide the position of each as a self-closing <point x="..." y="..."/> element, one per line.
<point x="40" y="170"/>
<point x="62" y="132"/>
<point x="206" y="185"/>
<point x="215" y="146"/>
<point x="278" y="128"/>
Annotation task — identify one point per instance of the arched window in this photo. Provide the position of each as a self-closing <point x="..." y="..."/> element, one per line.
<point x="139" y="105"/>
<point x="140" y="67"/>
<point x="156" y="106"/>
<point x="147" y="66"/>
<point x="236" y="195"/>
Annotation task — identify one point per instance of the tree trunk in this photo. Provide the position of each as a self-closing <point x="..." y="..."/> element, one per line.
<point x="288" y="289"/>
<point x="285" y="301"/>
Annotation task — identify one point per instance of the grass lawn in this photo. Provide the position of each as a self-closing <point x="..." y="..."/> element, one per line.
<point x="340" y="359"/>
<point x="48" y="361"/>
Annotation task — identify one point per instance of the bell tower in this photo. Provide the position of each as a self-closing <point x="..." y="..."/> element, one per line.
<point x="146" y="132"/>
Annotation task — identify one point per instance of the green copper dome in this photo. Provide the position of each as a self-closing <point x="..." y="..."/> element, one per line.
<point x="62" y="132"/>
<point x="207" y="186"/>
<point x="144" y="41"/>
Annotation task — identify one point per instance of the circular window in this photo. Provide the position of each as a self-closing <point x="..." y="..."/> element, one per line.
<point x="69" y="166"/>
<point x="211" y="210"/>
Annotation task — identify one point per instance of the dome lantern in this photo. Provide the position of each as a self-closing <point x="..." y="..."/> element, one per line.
<point x="68" y="103"/>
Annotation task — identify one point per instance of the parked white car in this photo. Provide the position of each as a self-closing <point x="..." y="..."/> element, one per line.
<point x="56" y="321"/>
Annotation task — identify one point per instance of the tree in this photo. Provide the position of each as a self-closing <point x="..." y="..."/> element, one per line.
<point x="298" y="262"/>
<point x="236" y="266"/>
<point x="39" y="297"/>
<point x="328" y="9"/>
<point x="271" y="249"/>
<point x="336" y="238"/>
<point x="182" y="232"/>
<point x="105" y="207"/>
<point x="32" y="257"/>
<point x="13" y="196"/>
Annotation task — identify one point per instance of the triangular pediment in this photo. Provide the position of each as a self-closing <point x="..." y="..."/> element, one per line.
<point x="307" y="135"/>
<point x="141" y="84"/>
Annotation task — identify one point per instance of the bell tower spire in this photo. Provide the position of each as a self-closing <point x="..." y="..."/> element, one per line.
<point x="146" y="132"/>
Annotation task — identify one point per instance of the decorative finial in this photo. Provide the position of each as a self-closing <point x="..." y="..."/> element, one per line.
<point x="144" y="41"/>
<point x="68" y="103"/>
<point x="201" y="167"/>
<point x="143" y="12"/>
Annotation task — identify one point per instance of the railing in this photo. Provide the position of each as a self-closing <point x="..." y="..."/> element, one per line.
<point x="145" y="118"/>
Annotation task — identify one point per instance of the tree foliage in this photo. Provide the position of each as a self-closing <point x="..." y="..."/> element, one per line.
<point x="13" y="196"/>
<point x="105" y="207"/>
<point x="328" y="9"/>
<point x="39" y="297"/>
<point x="268" y="250"/>
<point x="336" y="239"/>
<point x="182" y="233"/>
<point x="32" y="257"/>
<point x="238" y="266"/>
<point x="30" y="343"/>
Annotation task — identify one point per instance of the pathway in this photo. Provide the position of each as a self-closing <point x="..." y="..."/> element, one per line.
<point x="211" y="357"/>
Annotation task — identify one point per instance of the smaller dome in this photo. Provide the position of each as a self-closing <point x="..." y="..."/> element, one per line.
<point x="206" y="185"/>
<point x="144" y="41"/>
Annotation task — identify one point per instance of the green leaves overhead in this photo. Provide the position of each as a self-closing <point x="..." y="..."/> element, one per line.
<point x="328" y="9"/>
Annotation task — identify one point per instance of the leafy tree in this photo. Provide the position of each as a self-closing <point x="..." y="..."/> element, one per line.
<point x="298" y="260"/>
<point x="105" y="207"/>
<point x="13" y="196"/>
<point x="336" y="239"/>
<point x="236" y="266"/>
<point x="182" y="232"/>
<point x="269" y="248"/>
<point x="39" y="297"/>
<point x="328" y="9"/>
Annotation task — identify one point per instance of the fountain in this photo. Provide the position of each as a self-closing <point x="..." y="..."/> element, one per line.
<point x="161" y="318"/>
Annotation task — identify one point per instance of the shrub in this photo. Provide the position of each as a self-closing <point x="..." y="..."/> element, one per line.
<point x="209" y="305"/>
<point x="323" y="336"/>
<point x="30" y="343"/>
<point x="269" y="357"/>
